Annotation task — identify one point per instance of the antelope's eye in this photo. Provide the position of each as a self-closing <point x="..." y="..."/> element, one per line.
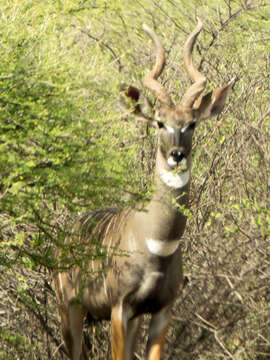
<point x="160" y="124"/>
<point x="190" y="126"/>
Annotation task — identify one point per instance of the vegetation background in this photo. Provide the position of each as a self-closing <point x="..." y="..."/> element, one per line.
<point x="65" y="149"/>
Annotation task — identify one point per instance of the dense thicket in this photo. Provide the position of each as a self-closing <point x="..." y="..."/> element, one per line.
<point x="65" y="149"/>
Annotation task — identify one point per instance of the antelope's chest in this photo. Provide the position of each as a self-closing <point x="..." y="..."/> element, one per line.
<point x="153" y="293"/>
<point x="150" y="287"/>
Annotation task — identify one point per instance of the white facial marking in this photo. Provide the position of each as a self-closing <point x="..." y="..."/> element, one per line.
<point x="171" y="162"/>
<point x="183" y="162"/>
<point x="161" y="248"/>
<point x="170" y="129"/>
<point x="175" y="181"/>
<point x="184" y="129"/>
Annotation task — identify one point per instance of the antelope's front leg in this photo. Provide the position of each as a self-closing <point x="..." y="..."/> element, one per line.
<point x="123" y="333"/>
<point x="157" y="334"/>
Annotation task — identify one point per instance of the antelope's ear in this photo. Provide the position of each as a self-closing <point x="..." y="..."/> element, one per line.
<point x="130" y="91"/>
<point x="212" y="103"/>
<point x="129" y="104"/>
<point x="129" y="99"/>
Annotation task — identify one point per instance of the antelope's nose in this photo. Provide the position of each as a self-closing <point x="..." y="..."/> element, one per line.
<point x="177" y="155"/>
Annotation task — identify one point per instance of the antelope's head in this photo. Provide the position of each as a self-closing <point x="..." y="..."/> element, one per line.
<point x="176" y="123"/>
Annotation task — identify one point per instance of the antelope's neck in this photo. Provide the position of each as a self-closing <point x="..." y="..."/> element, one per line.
<point x="164" y="221"/>
<point x="171" y="191"/>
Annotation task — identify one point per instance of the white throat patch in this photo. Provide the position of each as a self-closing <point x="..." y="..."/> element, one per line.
<point x="175" y="181"/>
<point x="161" y="248"/>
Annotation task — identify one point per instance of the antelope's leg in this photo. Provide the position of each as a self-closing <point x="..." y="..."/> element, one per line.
<point x="72" y="326"/>
<point x="132" y="329"/>
<point x="157" y="334"/>
<point x="71" y="315"/>
<point x="76" y="315"/>
<point x="123" y="333"/>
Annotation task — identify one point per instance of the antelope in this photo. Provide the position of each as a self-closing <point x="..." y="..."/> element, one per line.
<point x="142" y="272"/>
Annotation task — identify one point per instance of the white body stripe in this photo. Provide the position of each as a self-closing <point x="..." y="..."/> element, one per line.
<point x="132" y="243"/>
<point x="60" y="283"/>
<point x="161" y="248"/>
<point x="175" y="181"/>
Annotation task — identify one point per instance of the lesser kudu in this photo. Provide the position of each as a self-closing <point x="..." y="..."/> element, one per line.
<point x="147" y="275"/>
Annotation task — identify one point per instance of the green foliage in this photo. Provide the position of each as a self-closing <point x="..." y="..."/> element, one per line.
<point x="64" y="150"/>
<point x="60" y="136"/>
<point x="17" y="341"/>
